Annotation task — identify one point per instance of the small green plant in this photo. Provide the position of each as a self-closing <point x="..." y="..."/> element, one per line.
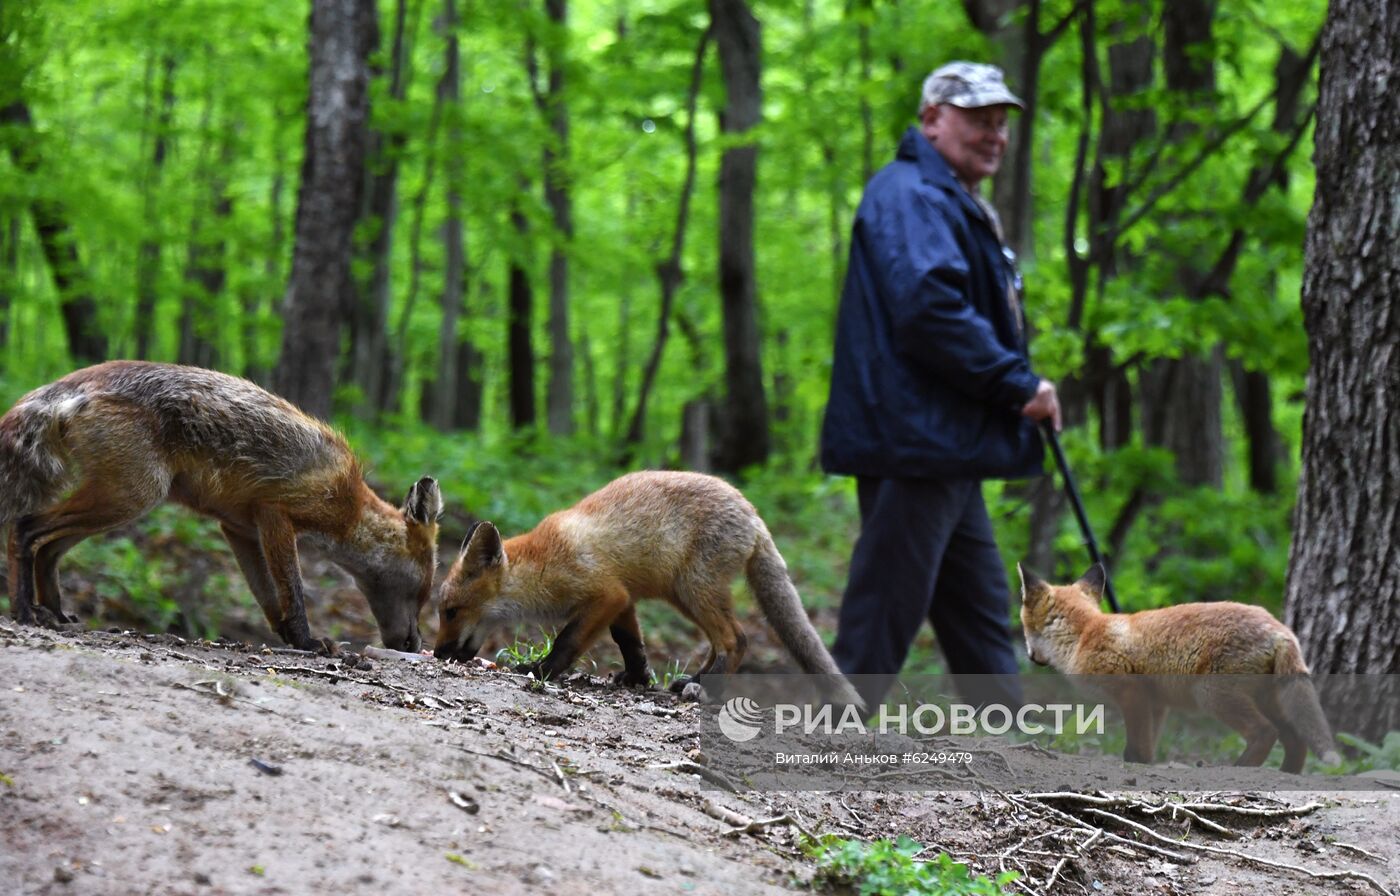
<point x="523" y="653"/>
<point x="674" y="669"/>
<point x="891" y="868"/>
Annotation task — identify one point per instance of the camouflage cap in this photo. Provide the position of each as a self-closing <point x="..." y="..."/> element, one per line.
<point x="967" y="85"/>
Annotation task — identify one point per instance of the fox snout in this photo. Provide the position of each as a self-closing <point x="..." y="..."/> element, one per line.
<point x="461" y="648"/>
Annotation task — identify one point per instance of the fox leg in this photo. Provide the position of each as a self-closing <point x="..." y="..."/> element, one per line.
<point x="596" y="613"/>
<point x="1239" y="712"/>
<point x="46" y="575"/>
<point x="278" y="541"/>
<point x="1144" y="721"/>
<point x="711" y="609"/>
<point x="21" y="578"/>
<point x="254" y="565"/>
<point x="1295" y="745"/>
<point x="627" y="634"/>
<point x="39" y="541"/>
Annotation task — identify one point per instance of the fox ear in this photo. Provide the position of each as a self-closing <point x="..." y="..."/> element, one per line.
<point x="1031" y="584"/>
<point x="424" y="502"/>
<point x="1093" y="580"/>
<point x="482" y="547"/>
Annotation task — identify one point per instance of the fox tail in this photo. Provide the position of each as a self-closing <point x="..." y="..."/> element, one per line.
<point x="1297" y="698"/>
<point x="768" y="579"/>
<point x="33" y="468"/>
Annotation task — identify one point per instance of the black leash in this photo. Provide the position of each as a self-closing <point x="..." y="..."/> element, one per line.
<point x="1073" y="494"/>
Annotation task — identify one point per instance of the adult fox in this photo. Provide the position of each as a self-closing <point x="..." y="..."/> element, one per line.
<point x="1233" y="661"/>
<point x="681" y="537"/>
<point x="105" y="444"/>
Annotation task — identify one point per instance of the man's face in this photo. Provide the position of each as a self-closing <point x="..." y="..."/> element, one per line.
<point x="971" y="141"/>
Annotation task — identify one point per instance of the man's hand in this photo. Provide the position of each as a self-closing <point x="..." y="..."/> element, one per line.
<point x="1045" y="404"/>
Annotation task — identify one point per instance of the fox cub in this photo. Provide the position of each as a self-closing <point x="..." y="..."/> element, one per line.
<point x="104" y="445"/>
<point x="1233" y="661"/>
<point x="681" y="537"/>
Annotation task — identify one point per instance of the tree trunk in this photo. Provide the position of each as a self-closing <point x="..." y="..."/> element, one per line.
<point x="342" y="33"/>
<point x="148" y="256"/>
<point x="1253" y="394"/>
<point x="206" y="269"/>
<point x="669" y="273"/>
<point x="1343" y="593"/>
<point x="744" y="437"/>
<point x="254" y="301"/>
<point x="458" y="375"/>
<point x="86" y="342"/>
<point x="371" y="296"/>
<point x="1192" y="405"/>
<point x="559" y="393"/>
<point x="1130" y="64"/>
<point x="1252" y="387"/>
<point x="9" y="257"/>
<point x="521" y="352"/>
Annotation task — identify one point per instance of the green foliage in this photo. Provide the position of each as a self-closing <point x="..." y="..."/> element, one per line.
<point x="1385" y="756"/>
<point x="840" y="84"/>
<point x="891" y="868"/>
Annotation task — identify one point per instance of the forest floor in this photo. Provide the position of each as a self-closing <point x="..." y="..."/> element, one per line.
<point x="142" y="763"/>
<point x="150" y="763"/>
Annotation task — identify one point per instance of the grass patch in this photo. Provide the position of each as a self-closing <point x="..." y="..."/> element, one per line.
<point x="896" y="868"/>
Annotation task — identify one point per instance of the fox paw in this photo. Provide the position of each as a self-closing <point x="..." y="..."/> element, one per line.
<point x="629" y="679"/>
<point x="45" y="618"/>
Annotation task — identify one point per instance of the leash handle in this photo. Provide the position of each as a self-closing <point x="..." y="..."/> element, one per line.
<point x="1073" y="494"/>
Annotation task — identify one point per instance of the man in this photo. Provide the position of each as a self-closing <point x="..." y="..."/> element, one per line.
<point x="932" y="392"/>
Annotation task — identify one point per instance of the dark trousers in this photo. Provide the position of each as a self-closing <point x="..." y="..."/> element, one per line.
<point x="926" y="552"/>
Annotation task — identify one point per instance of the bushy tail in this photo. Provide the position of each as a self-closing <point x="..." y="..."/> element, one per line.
<point x="1297" y="698"/>
<point x="33" y="473"/>
<point x="781" y="605"/>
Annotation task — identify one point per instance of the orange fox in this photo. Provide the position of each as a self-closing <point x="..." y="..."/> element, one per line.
<point x="1234" y="661"/>
<point x="681" y="537"/>
<point x="104" y="445"/>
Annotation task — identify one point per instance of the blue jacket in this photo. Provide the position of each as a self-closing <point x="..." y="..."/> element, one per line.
<point x="931" y="369"/>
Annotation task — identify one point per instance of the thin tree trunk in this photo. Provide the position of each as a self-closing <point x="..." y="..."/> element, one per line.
<point x="9" y="252"/>
<point x="86" y="342"/>
<point x="1193" y="405"/>
<point x="745" y="436"/>
<point x="559" y="393"/>
<point x="342" y="33"/>
<point x="371" y="297"/>
<point x="1252" y="387"/>
<point x="864" y="12"/>
<point x="255" y="301"/>
<point x="455" y="380"/>
<point x="148" y="256"/>
<point x="669" y="272"/>
<point x="521" y="353"/>
<point x="592" y="402"/>
<point x="205" y="266"/>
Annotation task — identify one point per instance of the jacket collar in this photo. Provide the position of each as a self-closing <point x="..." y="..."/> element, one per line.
<point x="934" y="170"/>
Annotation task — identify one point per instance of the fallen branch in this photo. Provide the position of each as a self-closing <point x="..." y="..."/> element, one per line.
<point x="694" y="768"/>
